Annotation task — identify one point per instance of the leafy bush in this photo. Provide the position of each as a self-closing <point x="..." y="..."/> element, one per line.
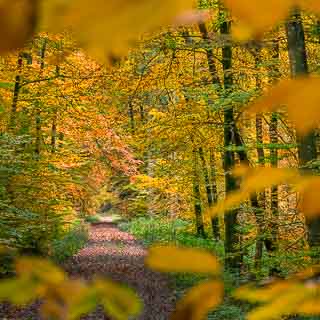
<point x="92" y="219"/>
<point x="161" y="229"/>
<point x="73" y="240"/>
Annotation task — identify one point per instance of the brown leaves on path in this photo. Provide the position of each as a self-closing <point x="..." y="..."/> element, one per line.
<point x="117" y="255"/>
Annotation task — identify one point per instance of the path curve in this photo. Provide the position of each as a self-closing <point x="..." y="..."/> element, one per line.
<point x="113" y="253"/>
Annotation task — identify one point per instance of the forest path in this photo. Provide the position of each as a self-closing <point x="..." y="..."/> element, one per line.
<point x="115" y="254"/>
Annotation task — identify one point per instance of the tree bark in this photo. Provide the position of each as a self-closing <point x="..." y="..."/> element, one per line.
<point x="232" y="237"/>
<point x="307" y="143"/>
<point x="197" y="197"/>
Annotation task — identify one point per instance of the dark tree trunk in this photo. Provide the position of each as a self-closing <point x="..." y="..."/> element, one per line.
<point x="260" y="205"/>
<point x="214" y="220"/>
<point x="306" y="144"/>
<point x="197" y="197"/>
<point x="16" y="91"/>
<point x="38" y="109"/>
<point x="210" y="55"/>
<point x="232" y="237"/>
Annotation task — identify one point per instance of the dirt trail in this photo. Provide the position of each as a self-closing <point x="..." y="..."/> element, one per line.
<point x="118" y="255"/>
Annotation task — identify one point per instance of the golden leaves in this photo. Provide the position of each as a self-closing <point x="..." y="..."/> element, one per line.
<point x="17" y="23"/>
<point x="255" y="17"/>
<point x="258" y="16"/>
<point x="301" y="96"/>
<point x="106" y="28"/>
<point x="254" y="180"/>
<point x="65" y="298"/>
<point x="199" y="301"/>
<point x="257" y="179"/>
<point x="118" y="300"/>
<point x="309" y="203"/>
<point x="297" y="295"/>
<point x="174" y="259"/>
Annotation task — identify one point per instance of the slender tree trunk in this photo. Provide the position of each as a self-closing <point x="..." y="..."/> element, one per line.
<point x="216" y="81"/>
<point x="38" y="109"/>
<point x="210" y="55"/>
<point x="54" y="133"/>
<point x="131" y="116"/>
<point x="232" y="237"/>
<point x="206" y="177"/>
<point x="214" y="220"/>
<point x="306" y="144"/>
<point x="197" y="197"/>
<point x="16" y="92"/>
<point x="261" y="205"/>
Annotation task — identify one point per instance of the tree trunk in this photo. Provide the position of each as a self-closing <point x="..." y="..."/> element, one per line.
<point x="232" y="238"/>
<point x="306" y="144"/>
<point x="16" y="91"/>
<point x="214" y="220"/>
<point x="38" y="109"/>
<point x="197" y="197"/>
<point x="261" y="205"/>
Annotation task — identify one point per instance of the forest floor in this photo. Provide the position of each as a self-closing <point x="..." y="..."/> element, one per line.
<point x="118" y="255"/>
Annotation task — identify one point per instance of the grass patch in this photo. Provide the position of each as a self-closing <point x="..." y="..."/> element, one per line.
<point x="73" y="240"/>
<point x="92" y="219"/>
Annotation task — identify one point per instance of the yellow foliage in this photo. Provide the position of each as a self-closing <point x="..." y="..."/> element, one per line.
<point x="65" y="298"/>
<point x="199" y="301"/>
<point x="301" y="96"/>
<point x="106" y="28"/>
<point x="255" y="180"/>
<point x="297" y="295"/>
<point x="256" y="17"/>
<point x="309" y="188"/>
<point x="118" y="300"/>
<point x="174" y="259"/>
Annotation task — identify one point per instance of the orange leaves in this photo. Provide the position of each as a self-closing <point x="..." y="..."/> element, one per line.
<point x="255" y="17"/>
<point x="301" y="96"/>
<point x="174" y="259"/>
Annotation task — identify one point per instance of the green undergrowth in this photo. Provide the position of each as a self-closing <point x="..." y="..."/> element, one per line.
<point x="74" y="239"/>
<point x="161" y="230"/>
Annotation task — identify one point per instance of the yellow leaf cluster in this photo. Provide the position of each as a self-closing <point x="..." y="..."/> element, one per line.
<point x="199" y="300"/>
<point x="66" y="298"/>
<point x="258" y="179"/>
<point x="297" y="295"/>
<point x="301" y="97"/>
<point x="174" y="259"/>
<point x="255" y="17"/>
<point x="106" y="28"/>
<point x="254" y="180"/>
